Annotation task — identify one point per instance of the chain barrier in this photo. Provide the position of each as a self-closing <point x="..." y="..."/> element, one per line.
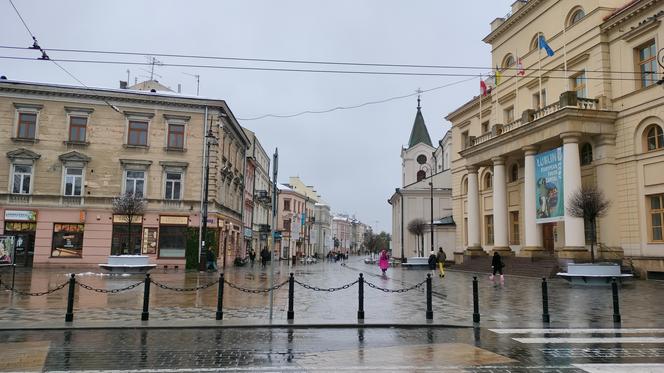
<point x="403" y="290"/>
<point x="315" y="288"/>
<point x="37" y="294"/>
<point x="108" y="291"/>
<point x="201" y="287"/>
<point x="255" y="291"/>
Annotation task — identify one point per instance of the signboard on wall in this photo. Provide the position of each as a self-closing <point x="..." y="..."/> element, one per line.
<point x="6" y="250"/>
<point x="149" y="241"/>
<point x="21" y="215"/>
<point x="549" y="193"/>
<point x="174" y="220"/>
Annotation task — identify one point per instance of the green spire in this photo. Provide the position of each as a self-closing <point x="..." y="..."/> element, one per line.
<point x="419" y="133"/>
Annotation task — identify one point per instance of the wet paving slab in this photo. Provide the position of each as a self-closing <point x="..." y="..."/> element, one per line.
<point x="324" y="349"/>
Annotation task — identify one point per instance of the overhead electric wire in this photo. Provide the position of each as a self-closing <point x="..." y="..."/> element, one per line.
<point x="306" y="62"/>
<point x="273" y="69"/>
<point x="22" y="20"/>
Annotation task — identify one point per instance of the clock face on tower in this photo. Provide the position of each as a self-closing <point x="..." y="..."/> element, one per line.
<point x="421" y="159"/>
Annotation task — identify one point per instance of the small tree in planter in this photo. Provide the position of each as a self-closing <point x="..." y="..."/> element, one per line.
<point x="416" y="227"/>
<point x="128" y="205"/>
<point x="589" y="204"/>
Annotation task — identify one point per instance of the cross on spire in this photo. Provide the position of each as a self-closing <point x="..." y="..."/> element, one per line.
<point x="419" y="93"/>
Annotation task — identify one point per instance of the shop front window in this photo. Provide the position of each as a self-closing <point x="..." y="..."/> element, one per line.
<point x="67" y="240"/>
<point x="120" y="241"/>
<point x="172" y="241"/>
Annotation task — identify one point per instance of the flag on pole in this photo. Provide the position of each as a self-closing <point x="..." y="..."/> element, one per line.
<point x="519" y="67"/>
<point x="483" y="88"/>
<point x="497" y="76"/>
<point x="544" y="45"/>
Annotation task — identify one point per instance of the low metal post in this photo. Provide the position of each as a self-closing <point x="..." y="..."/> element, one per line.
<point x="69" y="316"/>
<point x="545" y="301"/>
<point x="616" y="301"/>
<point x="360" y="298"/>
<point x="220" y="298"/>
<point x="476" y="302"/>
<point x="291" y="294"/>
<point x="429" y="303"/>
<point x="145" y="315"/>
<point x="13" y="275"/>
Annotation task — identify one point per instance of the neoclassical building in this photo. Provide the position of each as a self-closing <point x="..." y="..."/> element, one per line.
<point x="589" y="111"/>
<point x="426" y="185"/>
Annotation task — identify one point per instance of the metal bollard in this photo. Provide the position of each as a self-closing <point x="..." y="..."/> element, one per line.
<point x="291" y="294"/>
<point x="476" y="302"/>
<point x="616" y="301"/>
<point x="545" y="301"/>
<point x="146" y="298"/>
<point x="429" y="303"/>
<point x="220" y="298"/>
<point x="360" y="298"/>
<point x="69" y="316"/>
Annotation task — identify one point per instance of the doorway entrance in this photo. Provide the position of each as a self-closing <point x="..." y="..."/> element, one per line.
<point x="547" y="237"/>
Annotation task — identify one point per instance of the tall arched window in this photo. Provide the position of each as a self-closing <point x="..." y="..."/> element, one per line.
<point x="421" y="175"/>
<point x="575" y="16"/>
<point x="514" y="173"/>
<point x="586" y="154"/>
<point x="464" y="186"/>
<point x="488" y="181"/>
<point x="534" y="43"/>
<point x="654" y="137"/>
<point x="508" y="61"/>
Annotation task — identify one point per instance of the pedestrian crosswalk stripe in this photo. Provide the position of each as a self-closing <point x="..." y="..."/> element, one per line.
<point x="578" y="331"/>
<point x="611" y="368"/>
<point x="595" y="340"/>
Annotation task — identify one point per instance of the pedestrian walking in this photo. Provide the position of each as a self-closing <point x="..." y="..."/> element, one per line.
<point x="384" y="261"/>
<point x="497" y="266"/>
<point x="211" y="260"/>
<point x="442" y="257"/>
<point x="252" y="257"/>
<point x="265" y="256"/>
<point x="433" y="261"/>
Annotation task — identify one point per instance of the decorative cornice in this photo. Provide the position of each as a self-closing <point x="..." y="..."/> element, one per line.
<point x="23" y="153"/>
<point x="74" y="156"/>
<point x="509" y="22"/>
<point x="174" y="164"/>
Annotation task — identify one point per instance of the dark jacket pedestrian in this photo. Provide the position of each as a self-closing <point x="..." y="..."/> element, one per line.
<point x="433" y="261"/>
<point x="265" y="256"/>
<point x="497" y="265"/>
<point x="252" y="256"/>
<point x="211" y="260"/>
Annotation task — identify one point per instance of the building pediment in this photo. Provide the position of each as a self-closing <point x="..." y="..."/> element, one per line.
<point x="23" y="153"/>
<point x="74" y="156"/>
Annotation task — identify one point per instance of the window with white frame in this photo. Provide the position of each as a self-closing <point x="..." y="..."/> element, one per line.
<point x="21" y="179"/>
<point x="537" y="102"/>
<point x="173" y="185"/>
<point x="579" y="85"/>
<point x="135" y="183"/>
<point x="73" y="182"/>
<point x="509" y="115"/>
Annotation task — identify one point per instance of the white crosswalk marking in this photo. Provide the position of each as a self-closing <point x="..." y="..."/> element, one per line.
<point x="579" y="331"/>
<point x="615" y="368"/>
<point x="593" y="340"/>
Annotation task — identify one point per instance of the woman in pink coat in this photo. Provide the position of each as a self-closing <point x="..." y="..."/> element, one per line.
<point x="384" y="261"/>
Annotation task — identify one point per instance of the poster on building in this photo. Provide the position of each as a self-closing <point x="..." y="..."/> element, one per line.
<point x="6" y="250"/>
<point x="549" y="186"/>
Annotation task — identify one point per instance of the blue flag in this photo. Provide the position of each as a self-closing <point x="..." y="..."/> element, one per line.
<point x="544" y="45"/>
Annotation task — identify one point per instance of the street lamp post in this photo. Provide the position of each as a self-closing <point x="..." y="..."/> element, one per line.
<point x="425" y="168"/>
<point x="209" y="141"/>
<point x="660" y="61"/>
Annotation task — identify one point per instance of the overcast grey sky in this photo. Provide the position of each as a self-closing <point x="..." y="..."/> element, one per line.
<point x="352" y="156"/>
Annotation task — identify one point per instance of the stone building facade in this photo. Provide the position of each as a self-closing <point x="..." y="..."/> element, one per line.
<point x="68" y="151"/>
<point x="597" y="103"/>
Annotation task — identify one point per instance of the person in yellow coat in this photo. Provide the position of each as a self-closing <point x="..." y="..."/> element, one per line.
<point x="441" y="261"/>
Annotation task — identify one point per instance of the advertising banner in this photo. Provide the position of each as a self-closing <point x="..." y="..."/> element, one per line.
<point x="6" y="250"/>
<point x="549" y="186"/>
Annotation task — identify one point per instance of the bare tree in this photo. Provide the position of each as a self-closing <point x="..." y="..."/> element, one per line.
<point x="589" y="204"/>
<point x="128" y="205"/>
<point x="417" y="227"/>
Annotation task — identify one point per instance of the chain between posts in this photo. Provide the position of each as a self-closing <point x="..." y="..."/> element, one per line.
<point x="201" y="287"/>
<point x="36" y="294"/>
<point x="403" y="290"/>
<point x="255" y="291"/>
<point x="109" y="291"/>
<point x="315" y="288"/>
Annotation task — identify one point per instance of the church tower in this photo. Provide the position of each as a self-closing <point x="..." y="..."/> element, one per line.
<point x="417" y="159"/>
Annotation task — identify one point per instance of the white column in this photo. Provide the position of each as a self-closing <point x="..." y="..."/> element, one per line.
<point x="604" y="161"/>
<point x="499" y="206"/>
<point x="574" y="227"/>
<point x="533" y="231"/>
<point x="473" y="211"/>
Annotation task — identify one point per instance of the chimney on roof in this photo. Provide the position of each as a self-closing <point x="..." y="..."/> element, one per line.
<point x="123" y="84"/>
<point x="518" y="4"/>
<point x="179" y="88"/>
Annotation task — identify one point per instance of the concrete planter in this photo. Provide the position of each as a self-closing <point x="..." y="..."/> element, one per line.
<point x="593" y="273"/>
<point x="128" y="264"/>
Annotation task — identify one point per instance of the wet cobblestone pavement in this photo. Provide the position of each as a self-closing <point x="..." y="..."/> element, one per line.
<point x="159" y="347"/>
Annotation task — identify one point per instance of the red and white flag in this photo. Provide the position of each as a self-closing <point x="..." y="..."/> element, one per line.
<point x="483" y="87"/>
<point x="519" y="67"/>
